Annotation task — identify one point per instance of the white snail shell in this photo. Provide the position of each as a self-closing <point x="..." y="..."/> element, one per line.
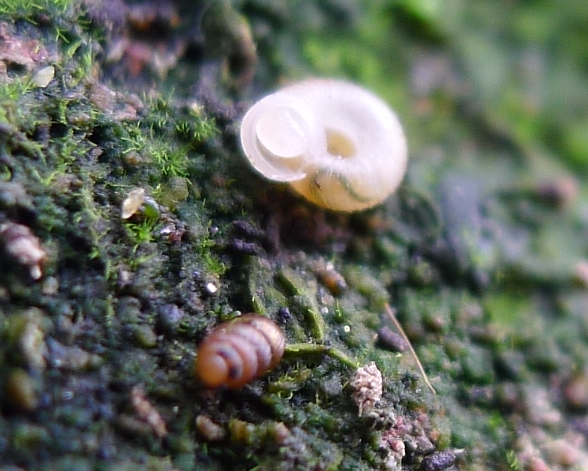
<point x="337" y="144"/>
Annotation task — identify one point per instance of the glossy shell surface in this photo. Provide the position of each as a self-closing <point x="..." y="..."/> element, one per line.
<point x="335" y="143"/>
<point x="238" y="351"/>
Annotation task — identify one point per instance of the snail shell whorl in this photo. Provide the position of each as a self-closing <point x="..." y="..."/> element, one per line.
<point x="337" y="144"/>
<point x="239" y="351"/>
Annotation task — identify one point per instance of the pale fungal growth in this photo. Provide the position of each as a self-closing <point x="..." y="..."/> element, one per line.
<point x="24" y="247"/>
<point x="367" y="383"/>
<point x="335" y="143"/>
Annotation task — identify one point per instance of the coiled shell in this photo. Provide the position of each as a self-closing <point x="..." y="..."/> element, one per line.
<point x="239" y="351"/>
<point x="337" y="144"/>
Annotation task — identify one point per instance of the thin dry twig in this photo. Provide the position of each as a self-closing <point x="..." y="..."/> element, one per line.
<point x="392" y="316"/>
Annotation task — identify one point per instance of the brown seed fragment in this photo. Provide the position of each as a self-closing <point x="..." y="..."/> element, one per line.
<point x="209" y="430"/>
<point x="147" y="413"/>
<point x="331" y="278"/>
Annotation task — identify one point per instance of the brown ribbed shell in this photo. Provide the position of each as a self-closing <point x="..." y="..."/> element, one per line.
<point x="239" y="351"/>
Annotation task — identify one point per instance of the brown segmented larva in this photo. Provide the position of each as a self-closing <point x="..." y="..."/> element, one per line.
<point x="239" y="351"/>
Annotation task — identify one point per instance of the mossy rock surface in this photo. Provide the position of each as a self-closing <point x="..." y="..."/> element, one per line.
<point x="480" y="255"/>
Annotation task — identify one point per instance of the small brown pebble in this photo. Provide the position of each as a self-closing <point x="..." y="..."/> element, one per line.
<point x="331" y="278"/>
<point x="32" y="342"/>
<point x="241" y="431"/>
<point x="281" y="433"/>
<point x="563" y="453"/>
<point x="536" y="464"/>
<point x="71" y="358"/>
<point x="438" y="461"/>
<point x="21" y="390"/>
<point x="580" y="273"/>
<point x="209" y="430"/>
<point x="576" y="391"/>
<point x="558" y="193"/>
<point x="144" y="335"/>
<point x="390" y="340"/>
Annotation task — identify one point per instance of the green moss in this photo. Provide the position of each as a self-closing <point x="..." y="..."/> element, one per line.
<point x="483" y="290"/>
<point x="142" y="232"/>
<point x="304" y="301"/>
<point x="28" y="8"/>
<point x="197" y="127"/>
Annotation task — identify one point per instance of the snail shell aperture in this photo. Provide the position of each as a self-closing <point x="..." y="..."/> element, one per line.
<point x="239" y="351"/>
<point x="335" y="143"/>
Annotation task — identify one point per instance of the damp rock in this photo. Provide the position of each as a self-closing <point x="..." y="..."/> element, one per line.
<point x="174" y="192"/>
<point x="438" y="461"/>
<point x="170" y="317"/>
<point x="144" y="336"/>
<point x="26" y="336"/>
<point x="71" y="358"/>
<point x="13" y="194"/>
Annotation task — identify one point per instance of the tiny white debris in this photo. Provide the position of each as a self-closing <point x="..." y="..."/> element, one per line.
<point x="367" y="383"/>
<point x="211" y="288"/>
<point x="196" y="108"/>
<point x="132" y="203"/>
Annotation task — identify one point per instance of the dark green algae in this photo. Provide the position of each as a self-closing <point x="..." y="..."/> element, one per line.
<point x="484" y="285"/>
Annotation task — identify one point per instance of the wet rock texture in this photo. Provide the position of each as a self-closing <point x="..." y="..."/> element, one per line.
<point x="131" y="226"/>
